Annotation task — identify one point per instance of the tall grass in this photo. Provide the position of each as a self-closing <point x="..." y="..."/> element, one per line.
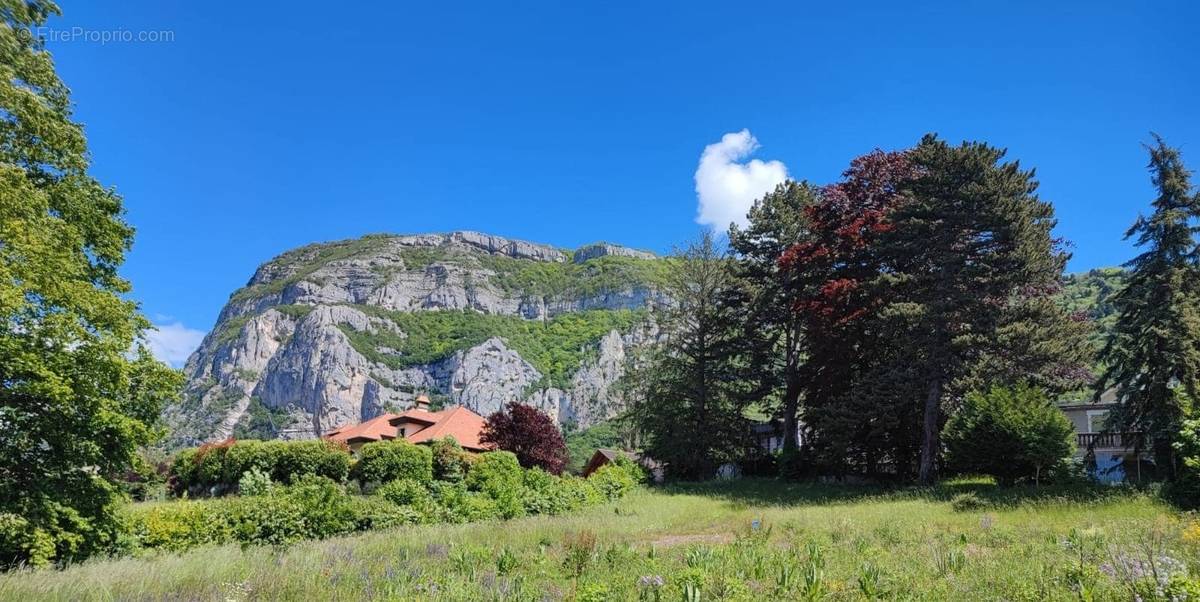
<point x="749" y="540"/>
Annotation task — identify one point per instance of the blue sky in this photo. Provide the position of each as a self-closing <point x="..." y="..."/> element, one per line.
<point x="263" y="126"/>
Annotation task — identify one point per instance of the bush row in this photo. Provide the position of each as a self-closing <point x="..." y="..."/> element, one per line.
<point x="312" y="508"/>
<point x="315" y="507"/>
<point x="216" y="468"/>
<point x="497" y="487"/>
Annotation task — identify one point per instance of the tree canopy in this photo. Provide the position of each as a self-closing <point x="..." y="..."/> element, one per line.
<point x="75" y="401"/>
<point x="529" y="434"/>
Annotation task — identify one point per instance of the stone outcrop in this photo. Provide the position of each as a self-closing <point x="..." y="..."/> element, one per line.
<point x="284" y="359"/>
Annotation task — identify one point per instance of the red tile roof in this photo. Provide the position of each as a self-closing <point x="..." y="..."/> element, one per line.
<point x="375" y="429"/>
<point x="458" y="422"/>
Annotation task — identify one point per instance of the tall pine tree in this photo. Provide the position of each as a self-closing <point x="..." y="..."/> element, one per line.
<point x="1154" y="349"/>
<point x="773" y="328"/>
<point x="970" y="235"/>
<point x="691" y="394"/>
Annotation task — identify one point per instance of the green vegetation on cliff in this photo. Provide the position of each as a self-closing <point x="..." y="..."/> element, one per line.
<point x="511" y="275"/>
<point x="301" y="263"/>
<point x="555" y="347"/>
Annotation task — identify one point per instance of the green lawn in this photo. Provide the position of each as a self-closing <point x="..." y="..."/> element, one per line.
<point x="816" y="542"/>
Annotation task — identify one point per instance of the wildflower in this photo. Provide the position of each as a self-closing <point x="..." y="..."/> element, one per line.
<point x="651" y="581"/>
<point x="1191" y="533"/>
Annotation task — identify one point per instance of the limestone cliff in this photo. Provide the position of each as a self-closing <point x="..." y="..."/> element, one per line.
<point x="340" y="332"/>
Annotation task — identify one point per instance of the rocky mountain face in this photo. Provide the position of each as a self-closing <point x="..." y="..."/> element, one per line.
<point x="340" y="332"/>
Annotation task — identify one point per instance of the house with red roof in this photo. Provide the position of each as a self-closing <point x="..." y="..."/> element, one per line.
<point x="418" y="425"/>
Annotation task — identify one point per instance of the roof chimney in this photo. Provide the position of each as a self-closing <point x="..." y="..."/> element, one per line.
<point x="422" y="402"/>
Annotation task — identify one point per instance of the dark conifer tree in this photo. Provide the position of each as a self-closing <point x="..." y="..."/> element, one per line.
<point x="773" y="330"/>
<point x="692" y="391"/>
<point x="1152" y="355"/>
<point x="970" y="235"/>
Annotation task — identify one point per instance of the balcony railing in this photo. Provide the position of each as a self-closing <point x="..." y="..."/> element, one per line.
<point x="1109" y="440"/>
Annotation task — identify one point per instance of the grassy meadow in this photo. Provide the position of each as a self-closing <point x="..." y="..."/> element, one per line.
<point x="698" y="542"/>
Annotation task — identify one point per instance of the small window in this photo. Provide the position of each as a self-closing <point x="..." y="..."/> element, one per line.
<point x="1096" y="420"/>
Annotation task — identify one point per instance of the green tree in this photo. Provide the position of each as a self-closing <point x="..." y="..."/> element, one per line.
<point x="1154" y="348"/>
<point x="1185" y="490"/>
<point x="1009" y="433"/>
<point x="75" y="403"/>
<point x="970" y="236"/>
<point x="691" y="393"/>
<point x="772" y="327"/>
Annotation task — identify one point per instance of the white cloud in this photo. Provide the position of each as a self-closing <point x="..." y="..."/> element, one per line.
<point x="173" y="342"/>
<point x="726" y="188"/>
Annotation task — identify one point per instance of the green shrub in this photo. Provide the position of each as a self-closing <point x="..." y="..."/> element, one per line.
<point x="22" y="542"/>
<point x="182" y="471"/>
<point x="498" y="475"/>
<point x="1184" y="491"/>
<point x="494" y="471"/>
<point x="968" y="502"/>
<point x="255" y="482"/>
<point x="273" y="520"/>
<point x="579" y="492"/>
<point x="613" y="481"/>
<point x="178" y="526"/>
<point x="313" y="508"/>
<point x="217" y="468"/>
<point x="252" y="455"/>
<point x="411" y="494"/>
<point x="636" y="471"/>
<point x="44" y="531"/>
<point x="378" y="513"/>
<point x="386" y="461"/>
<point x="544" y="493"/>
<point x="297" y="460"/>
<point x="404" y="492"/>
<point x="1009" y="433"/>
<point x="450" y="462"/>
<point x="456" y="504"/>
<point x="209" y="470"/>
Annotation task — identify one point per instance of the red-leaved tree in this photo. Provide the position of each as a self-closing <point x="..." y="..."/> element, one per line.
<point x="529" y="434"/>
<point x="834" y="273"/>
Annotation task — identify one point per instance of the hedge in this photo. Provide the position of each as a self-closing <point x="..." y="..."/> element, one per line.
<point x="384" y="461"/>
<point x="314" y="507"/>
<point x="216" y="468"/>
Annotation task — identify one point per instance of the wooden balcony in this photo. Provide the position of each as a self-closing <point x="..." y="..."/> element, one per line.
<point x="1108" y="440"/>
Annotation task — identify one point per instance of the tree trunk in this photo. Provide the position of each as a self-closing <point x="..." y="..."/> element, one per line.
<point x="791" y="406"/>
<point x="929" y="439"/>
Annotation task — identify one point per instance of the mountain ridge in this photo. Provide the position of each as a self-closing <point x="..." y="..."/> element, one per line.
<point x="329" y="333"/>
